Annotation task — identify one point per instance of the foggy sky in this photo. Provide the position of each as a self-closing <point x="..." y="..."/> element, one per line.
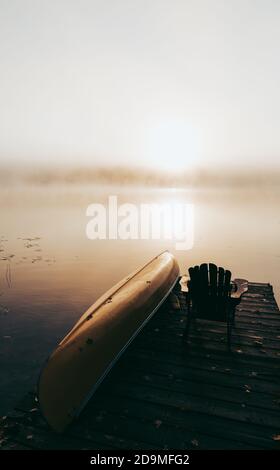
<point x="140" y="81"/>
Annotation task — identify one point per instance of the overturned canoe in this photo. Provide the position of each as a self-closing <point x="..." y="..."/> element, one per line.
<point x="84" y="357"/>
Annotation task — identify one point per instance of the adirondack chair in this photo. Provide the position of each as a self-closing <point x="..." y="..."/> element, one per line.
<point x="212" y="296"/>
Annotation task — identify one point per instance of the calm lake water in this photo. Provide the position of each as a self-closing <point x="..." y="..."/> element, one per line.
<point x="50" y="272"/>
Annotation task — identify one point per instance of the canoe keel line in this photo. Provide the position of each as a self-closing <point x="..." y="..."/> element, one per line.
<point x="84" y="357"/>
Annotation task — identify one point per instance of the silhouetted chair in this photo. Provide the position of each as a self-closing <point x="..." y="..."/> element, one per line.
<point x="212" y="296"/>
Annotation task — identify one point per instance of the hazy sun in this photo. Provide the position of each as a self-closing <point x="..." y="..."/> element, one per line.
<point x="172" y="146"/>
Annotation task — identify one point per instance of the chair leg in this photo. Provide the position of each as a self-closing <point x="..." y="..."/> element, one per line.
<point x="186" y="334"/>
<point x="188" y="324"/>
<point x="232" y="311"/>
<point x="229" y="334"/>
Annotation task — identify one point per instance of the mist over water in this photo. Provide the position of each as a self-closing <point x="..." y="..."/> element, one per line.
<point x="239" y="177"/>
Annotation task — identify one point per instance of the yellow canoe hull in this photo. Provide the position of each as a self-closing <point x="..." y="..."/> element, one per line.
<point x="84" y="357"/>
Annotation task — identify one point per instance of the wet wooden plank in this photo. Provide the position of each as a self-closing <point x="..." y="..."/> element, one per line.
<point x="187" y="420"/>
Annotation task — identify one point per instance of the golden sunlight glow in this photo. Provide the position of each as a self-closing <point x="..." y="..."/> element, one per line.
<point x="172" y="146"/>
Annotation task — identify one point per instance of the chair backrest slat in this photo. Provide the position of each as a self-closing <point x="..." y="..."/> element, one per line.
<point x="227" y="286"/>
<point x="203" y="280"/>
<point x="213" y="271"/>
<point x="221" y="278"/>
<point x="194" y="279"/>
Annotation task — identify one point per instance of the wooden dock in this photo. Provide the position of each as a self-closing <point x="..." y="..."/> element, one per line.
<point x="164" y="394"/>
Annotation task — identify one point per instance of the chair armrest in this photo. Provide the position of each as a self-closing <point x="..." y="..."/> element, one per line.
<point x="184" y="283"/>
<point x="240" y="287"/>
